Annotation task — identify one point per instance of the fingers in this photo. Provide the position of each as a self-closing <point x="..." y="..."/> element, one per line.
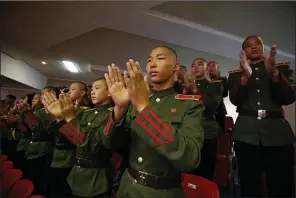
<point x="273" y="51"/>
<point x="134" y="70"/>
<point x="120" y="77"/>
<point x="108" y="81"/>
<point x="111" y="75"/>
<point x="127" y="81"/>
<point x="147" y="84"/>
<point x="115" y="73"/>
<point x="62" y="100"/>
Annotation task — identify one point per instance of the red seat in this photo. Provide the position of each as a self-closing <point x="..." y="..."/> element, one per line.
<point x="21" y="189"/>
<point x="37" y="196"/>
<point x="229" y="125"/>
<point x="222" y="170"/>
<point x="117" y="162"/>
<point x="224" y="144"/>
<point x="198" y="187"/>
<point x="5" y="166"/>
<point x="9" y="179"/>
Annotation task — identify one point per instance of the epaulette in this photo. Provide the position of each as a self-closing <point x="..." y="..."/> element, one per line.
<point x="214" y="81"/>
<point x="283" y="63"/>
<point x="84" y="107"/>
<point x="234" y="71"/>
<point x="187" y="97"/>
<point x="110" y="109"/>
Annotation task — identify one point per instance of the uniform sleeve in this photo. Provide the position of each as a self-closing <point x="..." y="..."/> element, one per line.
<point x="181" y="144"/>
<point x="31" y="119"/>
<point x="213" y="96"/>
<point x="117" y="135"/>
<point x="282" y="91"/>
<point x="237" y="92"/>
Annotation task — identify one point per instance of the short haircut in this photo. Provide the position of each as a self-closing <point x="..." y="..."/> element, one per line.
<point x="184" y="67"/>
<point x="168" y="48"/>
<point x="100" y="78"/>
<point x="204" y="60"/>
<point x="51" y="88"/>
<point x="11" y="96"/>
<point x="246" y="40"/>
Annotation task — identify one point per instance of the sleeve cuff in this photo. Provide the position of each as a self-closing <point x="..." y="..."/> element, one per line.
<point x="111" y="126"/>
<point x="72" y="132"/>
<point x="152" y="128"/>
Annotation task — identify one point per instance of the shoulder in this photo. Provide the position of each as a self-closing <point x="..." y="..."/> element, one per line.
<point x="84" y="107"/>
<point x="235" y="71"/>
<point x="215" y="81"/>
<point x="188" y="97"/>
<point x="283" y="64"/>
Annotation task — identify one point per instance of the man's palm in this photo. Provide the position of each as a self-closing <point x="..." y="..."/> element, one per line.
<point x="55" y="109"/>
<point x="119" y="94"/>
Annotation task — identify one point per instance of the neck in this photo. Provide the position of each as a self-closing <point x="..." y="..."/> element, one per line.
<point x="159" y="87"/>
<point x="200" y="77"/>
<point x="256" y="61"/>
<point x="103" y="103"/>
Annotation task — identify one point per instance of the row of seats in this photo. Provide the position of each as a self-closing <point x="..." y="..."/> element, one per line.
<point x="12" y="185"/>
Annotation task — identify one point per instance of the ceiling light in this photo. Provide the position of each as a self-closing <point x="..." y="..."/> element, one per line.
<point x="43" y="63"/>
<point x="70" y="66"/>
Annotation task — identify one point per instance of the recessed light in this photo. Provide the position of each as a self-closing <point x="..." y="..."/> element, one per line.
<point x="43" y="63"/>
<point x="70" y="66"/>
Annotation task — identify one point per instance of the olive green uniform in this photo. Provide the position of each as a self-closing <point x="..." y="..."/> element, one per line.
<point x="212" y="94"/>
<point x="92" y="174"/>
<point x="263" y="137"/>
<point x="166" y="140"/>
<point x="63" y="160"/>
<point x="221" y="110"/>
<point x="39" y="150"/>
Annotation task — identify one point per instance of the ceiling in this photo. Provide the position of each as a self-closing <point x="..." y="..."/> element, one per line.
<point x="95" y="34"/>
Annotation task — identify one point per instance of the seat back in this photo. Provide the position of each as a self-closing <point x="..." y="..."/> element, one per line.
<point x="5" y="166"/>
<point x="222" y="172"/>
<point x="198" y="187"/>
<point x="9" y="179"/>
<point x="4" y="157"/>
<point x="224" y="144"/>
<point x="21" y="189"/>
<point x="229" y="125"/>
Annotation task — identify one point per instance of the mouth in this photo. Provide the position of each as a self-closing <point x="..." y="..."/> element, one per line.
<point x="152" y="74"/>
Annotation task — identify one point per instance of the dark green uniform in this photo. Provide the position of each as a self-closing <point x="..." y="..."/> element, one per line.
<point x="166" y="140"/>
<point x="63" y="161"/>
<point x="212" y="94"/>
<point x="221" y="110"/>
<point x="92" y="174"/>
<point x="39" y="151"/>
<point x="261" y="133"/>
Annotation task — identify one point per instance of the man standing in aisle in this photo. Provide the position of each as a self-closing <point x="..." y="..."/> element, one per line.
<point x="263" y="137"/>
<point x="214" y="73"/>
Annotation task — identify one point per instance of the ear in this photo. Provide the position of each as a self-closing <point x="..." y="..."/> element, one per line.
<point x="176" y="67"/>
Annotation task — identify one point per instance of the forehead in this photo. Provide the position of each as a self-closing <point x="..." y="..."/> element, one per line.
<point x="211" y="64"/>
<point x="37" y="95"/>
<point x="253" y="39"/>
<point x="161" y="50"/>
<point x="99" y="83"/>
<point x="199" y="61"/>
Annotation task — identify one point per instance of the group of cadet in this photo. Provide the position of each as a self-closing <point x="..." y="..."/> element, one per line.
<point x="163" y="126"/>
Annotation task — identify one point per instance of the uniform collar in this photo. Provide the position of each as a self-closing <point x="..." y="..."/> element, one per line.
<point x="258" y="64"/>
<point x="105" y="106"/>
<point x="164" y="92"/>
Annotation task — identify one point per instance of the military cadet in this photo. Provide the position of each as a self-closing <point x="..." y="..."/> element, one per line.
<point x="39" y="151"/>
<point x="211" y="92"/>
<point x="179" y="83"/>
<point x="263" y="137"/>
<point x="212" y="68"/>
<point x="165" y="129"/>
<point x="64" y="151"/>
<point x="92" y="174"/>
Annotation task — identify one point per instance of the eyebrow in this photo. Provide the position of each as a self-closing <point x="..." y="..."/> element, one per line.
<point x="157" y="55"/>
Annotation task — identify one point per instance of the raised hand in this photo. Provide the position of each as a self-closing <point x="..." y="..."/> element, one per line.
<point x="116" y="87"/>
<point x="136" y="86"/>
<point x="189" y="84"/>
<point x="68" y="110"/>
<point x="270" y="62"/>
<point x="148" y="84"/>
<point x="245" y="64"/>
<point x="52" y="105"/>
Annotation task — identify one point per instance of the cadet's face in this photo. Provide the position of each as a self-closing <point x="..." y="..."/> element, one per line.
<point x="161" y="65"/>
<point x="212" y="68"/>
<point x="36" y="100"/>
<point x="181" y="72"/>
<point x="99" y="92"/>
<point x="254" y="48"/>
<point x="75" y="92"/>
<point x="198" y="68"/>
<point x="23" y="103"/>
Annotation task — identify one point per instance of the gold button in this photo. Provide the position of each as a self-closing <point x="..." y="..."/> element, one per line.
<point x="140" y="159"/>
<point x="157" y="100"/>
<point x="258" y="103"/>
<point x="257" y="78"/>
<point x="96" y="112"/>
<point x="256" y="68"/>
<point x="88" y="123"/>
<point x="258" y="90"/>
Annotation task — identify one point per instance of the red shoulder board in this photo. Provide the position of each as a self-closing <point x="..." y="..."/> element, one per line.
<point x="234" y="71"/>
<point x="214" y="81"/>
<point x="110" y="109"/>
<point x="187" y="97"/>
<point x="281" y="64"/>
